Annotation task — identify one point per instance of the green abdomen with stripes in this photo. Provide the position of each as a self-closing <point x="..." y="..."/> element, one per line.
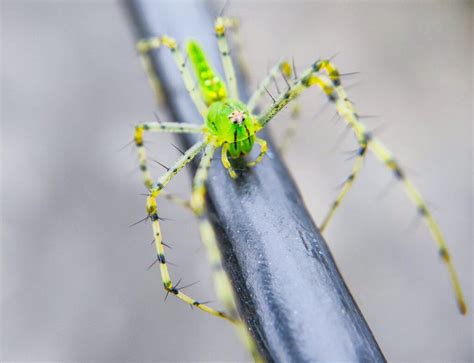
<point x="212" y="87"/>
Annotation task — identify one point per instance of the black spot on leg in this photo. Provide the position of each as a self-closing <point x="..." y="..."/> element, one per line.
<point x="305" y="81"/>
<point x="367" y="136"/>
<point x="332" y="97"/>
<point x="398" y="173"/>
<point x="422" y="210"/>
<point x="443" y="252"/>
<point x="362" y="150"/>
<point x="161" y="258"/>
<point x="143" y="167"/>
<point x="317" y="66"/>
<point x="154" y="217"/>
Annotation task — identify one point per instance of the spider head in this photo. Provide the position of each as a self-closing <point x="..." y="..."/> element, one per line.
<point x="229" y="121"/>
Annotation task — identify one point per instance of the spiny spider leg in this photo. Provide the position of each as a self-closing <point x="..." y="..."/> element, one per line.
<point x="345" y="109"/>
<point x="237" y="51"/>
<point x="346" y="186"/>
<point x="152" y="211"/>
<point x="231" y="80"/>
<point x="387" y="158"/>
<point x="222" y="284"/>
<point x="225" y="161"/>
<point x="281" y="66"/>
<point x="284" y="68"/>
<point x="290" y="131"/>
<point x="176" y="200"/>
<point x="263" y="151"/>
<point x="157" y="127"/>
<point x="144" y="46"/>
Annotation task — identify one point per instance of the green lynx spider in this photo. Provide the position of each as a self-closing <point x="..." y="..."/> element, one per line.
<point x="231" y="125"/>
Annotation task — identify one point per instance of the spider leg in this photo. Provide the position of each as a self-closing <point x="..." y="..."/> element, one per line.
<point x="219" y="29"/>
<point x="226" y="162"/>
<point x="290" y="131"/>
<point x="281" y="67"/>
<point x="336" y="94"/>
<point x="345" y="186"/>
<point x="233" y="24"/>
<point x="387" y="158"/>
<point x="222" y="283"/>
<point x="145" y="46"/>
<point x="152" y="210"/>
<point x="263" y="151"/>
<point x="173" y="127"/>
<point x="176" y="200"/>
<point x="284" y="69"/>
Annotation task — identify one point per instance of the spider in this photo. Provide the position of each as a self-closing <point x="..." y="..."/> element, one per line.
<point x="233" y="126"/>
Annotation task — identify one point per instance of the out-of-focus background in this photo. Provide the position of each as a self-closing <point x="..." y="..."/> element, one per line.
<point x="73" y="274"/>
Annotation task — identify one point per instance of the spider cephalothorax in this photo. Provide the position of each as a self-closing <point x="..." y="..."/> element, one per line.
<point x="230" y="122"/>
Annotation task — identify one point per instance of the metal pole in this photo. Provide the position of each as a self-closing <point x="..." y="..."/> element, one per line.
<point x="288" y="286"/>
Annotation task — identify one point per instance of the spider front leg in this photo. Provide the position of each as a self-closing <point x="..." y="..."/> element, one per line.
<point x="152" y="211"/>
<point x="172" y="127"/>
<point x="284" y="69"/>
<point x="225" y="161"/>
<point x="222" y="283"/>
<point x="336" y="94"/>
<point x="145" y="46"/>
<point x="263" y="151"/>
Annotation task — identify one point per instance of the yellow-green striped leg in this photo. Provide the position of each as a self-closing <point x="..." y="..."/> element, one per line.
<point x="346" y="186"/>
<point x="231" y="80"/>
<point x="238" y="49"/>
<point x="144" y="46"/>
<point x="222" y="283"/>
<point x="332" y="88"/>
<point x="281" y="67"/>
<point x="172" y="127"/>
<point x="263" y="151"/>
<point x="387" y="158"/>
<point x="225" y="161"/>
<point x="152" y="211"/>
<point x="290" y="131"/>
<point x="284" y="69"/>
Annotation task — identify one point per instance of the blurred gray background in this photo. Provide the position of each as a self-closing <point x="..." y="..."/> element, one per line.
<point x="73" y="274"/>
